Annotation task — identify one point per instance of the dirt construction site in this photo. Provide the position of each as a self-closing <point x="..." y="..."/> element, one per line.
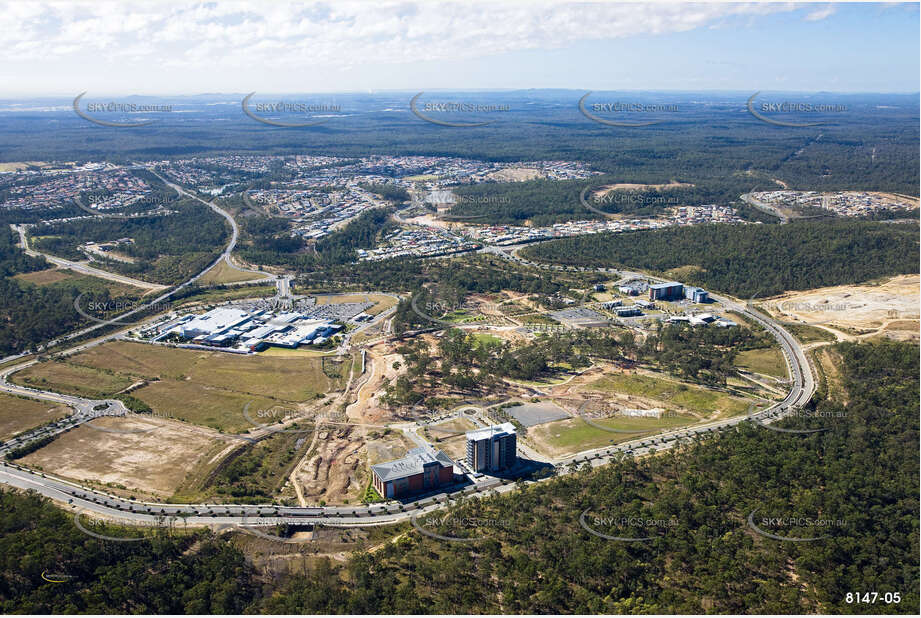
<point x="888" y="308"/>
<point x="335" y="468"/>
<point x="150" y="456"/>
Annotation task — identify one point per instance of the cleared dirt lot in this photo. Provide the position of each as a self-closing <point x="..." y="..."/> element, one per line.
<point x="632" y="186"/>
<point x="444" y="437"/>
<point x="154" y="462"/>
<point x="516" y="174"/>
<point x="889" y="308"/>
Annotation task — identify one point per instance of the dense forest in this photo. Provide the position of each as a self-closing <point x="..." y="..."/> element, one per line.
<point x="751" y="260"/>
<point x="470" y="273"/>
<point x="31" y="314"/>
<point x="873" y="147"/>
<point x="545" y="202"/>
<point x="268" y="241"/>
<point x="390" y="192"/>
<point x="853" y="487"/>
<point x="179" y="574"/>
<point x="166" y="249"/>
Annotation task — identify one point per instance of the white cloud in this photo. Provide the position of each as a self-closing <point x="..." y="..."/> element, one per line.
<point x="820" y="14"/>
<point x="195" y="35"/>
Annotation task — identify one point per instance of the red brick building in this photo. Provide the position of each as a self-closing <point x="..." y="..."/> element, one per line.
<point x="421" y="470"/>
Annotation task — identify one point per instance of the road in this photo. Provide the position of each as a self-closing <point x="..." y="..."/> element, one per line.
<point x="83" y="267"/>
<point x="749" y="199"/>
<point x="103" y="504"/>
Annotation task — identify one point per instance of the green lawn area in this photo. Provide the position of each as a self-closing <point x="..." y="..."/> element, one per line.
<point x="487" y="339"/>
<point x="677" y="394"/>
<point x="768" y="361"/>
<point x="573" y="435"/>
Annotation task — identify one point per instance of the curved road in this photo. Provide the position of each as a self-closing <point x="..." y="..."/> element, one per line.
<point x="133" y="511"/>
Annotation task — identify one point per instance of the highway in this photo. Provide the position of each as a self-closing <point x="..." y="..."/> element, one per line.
<point x="147" y="513"/>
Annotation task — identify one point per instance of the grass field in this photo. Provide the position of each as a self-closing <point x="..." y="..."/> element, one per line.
<point x="676" y="394"/>
<point x="64" y="276"/>
<point x="224" y="273"/>
<point x="487" y="339"/>
<point x="574" y="434"/>
<point x="807" y="333"/>
<point x="44" y="277"/>
<point x="64" y="377"/>
<point x="201" y="387"/>
<point x="768" y="361"/>
<point x="18" y="414"/>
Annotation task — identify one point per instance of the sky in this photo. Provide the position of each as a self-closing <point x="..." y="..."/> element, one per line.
<point x="180" y="47"/>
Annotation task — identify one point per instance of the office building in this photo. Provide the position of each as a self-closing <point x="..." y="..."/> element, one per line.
<point x="697" y="295"/>
<point x="492" y="449"/>
<point x="666" y="291"/>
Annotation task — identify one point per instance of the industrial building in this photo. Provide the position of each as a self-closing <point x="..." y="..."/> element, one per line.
<point x="666" y="291"/>
<point x="702" y="319"/>
<point x="629" y="312"/>
<point x="245" y="331"/>
<point x="422" y="469"/>
<point x="492" y="449"/>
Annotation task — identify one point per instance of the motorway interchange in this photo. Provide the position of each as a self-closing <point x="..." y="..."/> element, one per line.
<point x="250" y="517"/>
